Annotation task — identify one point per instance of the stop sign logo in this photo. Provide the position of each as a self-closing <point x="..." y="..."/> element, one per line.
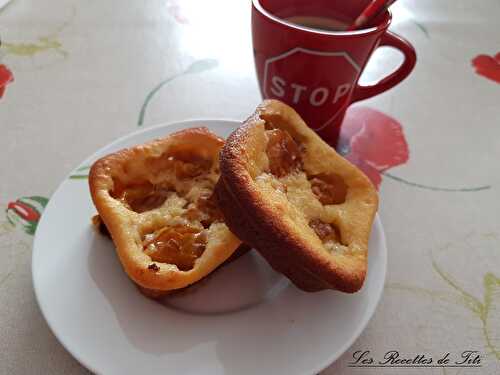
<point x="317" y="84"/>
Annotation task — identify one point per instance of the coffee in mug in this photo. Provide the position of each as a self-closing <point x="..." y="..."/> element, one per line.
<point x="318" y="22"/>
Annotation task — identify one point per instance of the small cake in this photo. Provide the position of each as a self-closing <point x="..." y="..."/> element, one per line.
<point x="288" y="194"/>
<point x="157" y="202"/>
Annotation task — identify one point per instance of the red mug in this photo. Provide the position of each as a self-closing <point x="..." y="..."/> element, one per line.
<point x="317" y="71"/>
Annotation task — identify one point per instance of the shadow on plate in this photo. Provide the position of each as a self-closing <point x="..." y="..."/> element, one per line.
<point x="198" y="315"/>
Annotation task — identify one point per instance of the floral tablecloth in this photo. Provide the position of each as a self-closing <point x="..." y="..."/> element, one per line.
<point x="75" y="75"/>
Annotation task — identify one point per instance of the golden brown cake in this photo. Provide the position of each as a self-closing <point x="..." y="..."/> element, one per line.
<point x="288" y="194"/>
<point x="157" y="202"/>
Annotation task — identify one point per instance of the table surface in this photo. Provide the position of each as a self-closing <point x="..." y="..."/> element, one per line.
<point x="85" y="73"/>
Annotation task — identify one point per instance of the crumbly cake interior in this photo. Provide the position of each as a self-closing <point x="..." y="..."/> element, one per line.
<point x="172" y="194"/>
<point x="310" y="201"/>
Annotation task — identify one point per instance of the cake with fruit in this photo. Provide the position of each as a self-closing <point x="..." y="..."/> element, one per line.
<point x="305" y="208"/>
<point x="157" y="202"/>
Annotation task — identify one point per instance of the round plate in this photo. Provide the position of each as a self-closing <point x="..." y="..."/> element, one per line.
<point x="242" y="319"/>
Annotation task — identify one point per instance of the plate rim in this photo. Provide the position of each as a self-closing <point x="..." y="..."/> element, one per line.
<point x="189" y="122"/>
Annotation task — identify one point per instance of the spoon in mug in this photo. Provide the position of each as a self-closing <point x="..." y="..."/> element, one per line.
<point x="373" y="9"/>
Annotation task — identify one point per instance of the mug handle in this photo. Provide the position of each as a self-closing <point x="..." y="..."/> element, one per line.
<point x="410" y="58"/>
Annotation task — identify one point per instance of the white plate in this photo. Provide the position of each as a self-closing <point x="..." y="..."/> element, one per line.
<point x="244" y="319"/>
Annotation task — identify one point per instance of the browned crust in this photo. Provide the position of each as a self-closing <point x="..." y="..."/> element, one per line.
<point x="120" y="221"/>
<point x="254" y="220"/>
